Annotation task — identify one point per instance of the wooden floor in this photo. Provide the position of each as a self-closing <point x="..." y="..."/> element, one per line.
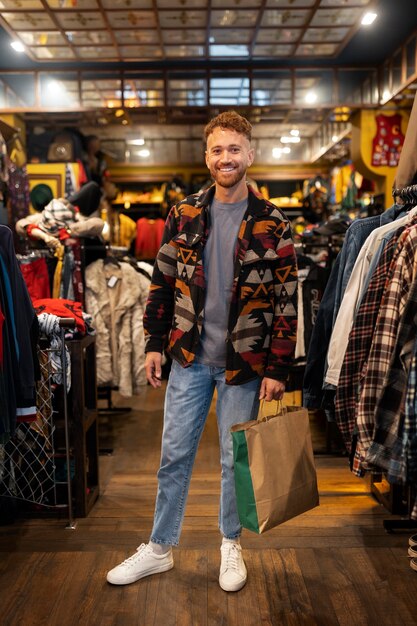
<point x="333" y="565"/>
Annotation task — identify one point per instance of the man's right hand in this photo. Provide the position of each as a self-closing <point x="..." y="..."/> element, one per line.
<point x="153" y="369"/>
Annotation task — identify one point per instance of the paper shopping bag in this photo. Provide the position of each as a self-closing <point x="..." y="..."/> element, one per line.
<point x="275" y="475"/>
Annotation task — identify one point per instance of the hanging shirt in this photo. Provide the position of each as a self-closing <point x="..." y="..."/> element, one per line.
<point x="218" y="262"/>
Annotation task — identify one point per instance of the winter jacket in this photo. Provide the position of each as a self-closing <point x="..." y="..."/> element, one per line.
<point x="118" y="318"/>
<point x="262" y="325"/>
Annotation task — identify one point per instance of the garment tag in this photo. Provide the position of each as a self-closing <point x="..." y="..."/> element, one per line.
<point x="112" y="281"/>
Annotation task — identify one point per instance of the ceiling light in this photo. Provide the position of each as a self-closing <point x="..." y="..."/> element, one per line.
<point x="119" y="113"/>
<point x="289" y="139"/>
<point x="124" y="122"/>
<point x="144" y="153"/>
<point x="294" y="132"/>
<point x="17" y="46"/>
<point x="386" y="95"/>
<point x="56" y="87"/>
<point x="335" y="138"/>
<point x="136" y="142"/>
<point x="286" y="150"/>
<point x="368" y="19"/>
<point x="310" y="97"/>
<point x="276" y="153"/>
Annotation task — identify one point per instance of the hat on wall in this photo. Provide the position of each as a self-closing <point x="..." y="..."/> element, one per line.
<point x="40" y="195"/>
<point x="87" y="199"/>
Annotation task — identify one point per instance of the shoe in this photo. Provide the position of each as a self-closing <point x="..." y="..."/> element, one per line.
<point x="412" y="551"/>
<point x="233" y="572"/>
<point x="413" y="540"/>
<point x="413" y="564"/>
<point x="143" y="563"/>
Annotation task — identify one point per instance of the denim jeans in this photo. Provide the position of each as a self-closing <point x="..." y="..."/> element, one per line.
<point x="187" y="403"/>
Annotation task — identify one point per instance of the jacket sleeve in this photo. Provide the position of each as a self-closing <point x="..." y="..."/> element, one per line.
<point x="284" y="323"/>
<point x="157" y="319"/>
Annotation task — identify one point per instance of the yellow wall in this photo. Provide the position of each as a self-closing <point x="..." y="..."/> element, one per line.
<point x="51" y="174"/>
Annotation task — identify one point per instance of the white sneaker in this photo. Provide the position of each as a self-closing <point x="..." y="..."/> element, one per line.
<point x="233" y="572"/>
<point x="143" y="563"/>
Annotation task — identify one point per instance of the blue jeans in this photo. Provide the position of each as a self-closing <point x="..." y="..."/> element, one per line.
<point x="187" y="403"/>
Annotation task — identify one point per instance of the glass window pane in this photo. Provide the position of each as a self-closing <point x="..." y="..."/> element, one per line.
<point x="145" y="90"/>
<point x="313" y="87"/>
<point x="396" y="71"/>
<point x="187" y="91"/>
<point x="229" y="90"/>
<point x="100" y="91"/>
<point x="271" y="88"/>
<point x="59" y="90"/>
<point x="386" y="84"/>
<point x="411" y="57"/>
<point x="351" y="86"/>
<point x="20" y="90"/>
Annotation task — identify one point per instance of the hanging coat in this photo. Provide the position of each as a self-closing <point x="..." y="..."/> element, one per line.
<point x="115" y="296"/>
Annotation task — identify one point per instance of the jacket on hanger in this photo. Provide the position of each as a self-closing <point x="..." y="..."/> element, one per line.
<point x="115" y="296"/>
<point x="20" y="366"/>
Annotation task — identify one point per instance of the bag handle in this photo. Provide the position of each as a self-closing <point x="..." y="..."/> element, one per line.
<point x="281" y="409"/>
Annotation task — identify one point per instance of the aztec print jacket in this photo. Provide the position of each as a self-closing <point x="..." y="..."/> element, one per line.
<point x="261" y="333"/>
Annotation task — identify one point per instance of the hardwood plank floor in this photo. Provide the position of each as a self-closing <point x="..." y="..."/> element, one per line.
<point x="334" y="565"/>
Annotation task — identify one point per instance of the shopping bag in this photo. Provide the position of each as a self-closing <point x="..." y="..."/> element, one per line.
<point x="275" y="475"/>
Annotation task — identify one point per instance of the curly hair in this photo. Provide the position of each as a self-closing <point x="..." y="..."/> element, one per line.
<point x="232" y="121"/>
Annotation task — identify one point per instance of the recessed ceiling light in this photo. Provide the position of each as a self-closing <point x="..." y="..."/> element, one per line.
<point x="335" y="138"/>
<point x="286" y="150"/>
<point x="276" y="153"/>
<point x="369" y="18"/>
<point x="143" y="153"/>
<point x="136" y="142"/>
<point x="17" y="46"/>
<point x="294" y="132"/>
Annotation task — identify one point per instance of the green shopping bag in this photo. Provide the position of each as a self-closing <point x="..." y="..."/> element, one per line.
<point x="275" y="475"/>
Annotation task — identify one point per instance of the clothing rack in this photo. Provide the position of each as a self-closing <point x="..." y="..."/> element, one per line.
<point x="408" y="193"/>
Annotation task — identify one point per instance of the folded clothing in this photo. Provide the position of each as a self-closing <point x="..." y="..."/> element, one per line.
<point x="61" y="308"/>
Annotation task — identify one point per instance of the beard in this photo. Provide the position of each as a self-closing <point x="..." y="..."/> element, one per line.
<point x="229" y="179"/>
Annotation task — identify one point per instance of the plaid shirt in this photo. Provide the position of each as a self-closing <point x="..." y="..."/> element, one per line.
<point x="386" y="449"/>
<point x="359" y="345"/>
<point x="410" y="428"/>
<point x="410" y="421"/>
<point x="401" y="275"/>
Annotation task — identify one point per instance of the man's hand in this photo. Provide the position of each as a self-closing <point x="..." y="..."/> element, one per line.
<point x="271" y="389"/>
<point x="153" y="362"/>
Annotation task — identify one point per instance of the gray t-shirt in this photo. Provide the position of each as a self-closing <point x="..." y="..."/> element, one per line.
<point x="218" y="258"/>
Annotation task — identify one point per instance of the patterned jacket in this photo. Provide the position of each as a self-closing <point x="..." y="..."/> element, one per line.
<point x="261" y="332"/>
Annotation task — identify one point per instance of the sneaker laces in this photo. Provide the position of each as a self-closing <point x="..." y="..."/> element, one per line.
<point x="140" y="553"/>
<point x="231" y="556"/>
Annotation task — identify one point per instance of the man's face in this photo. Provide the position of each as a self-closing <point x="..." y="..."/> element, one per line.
<point x="228" y="156"/>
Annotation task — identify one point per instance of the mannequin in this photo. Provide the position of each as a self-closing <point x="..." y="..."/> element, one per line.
<point x="61" y="218"/>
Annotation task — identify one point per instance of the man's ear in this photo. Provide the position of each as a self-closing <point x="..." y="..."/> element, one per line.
<point x="251" y="156"/>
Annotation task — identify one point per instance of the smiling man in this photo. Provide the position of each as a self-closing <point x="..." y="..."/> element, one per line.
<point x="223" y="304"/>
